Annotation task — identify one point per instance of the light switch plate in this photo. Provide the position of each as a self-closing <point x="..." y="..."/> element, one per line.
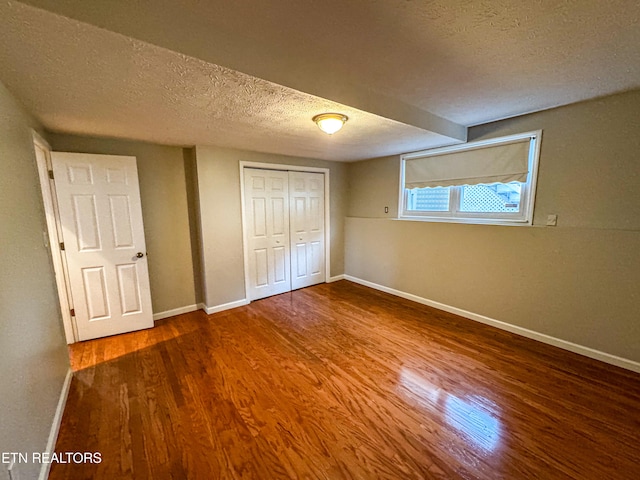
<point x="552" y="220"/>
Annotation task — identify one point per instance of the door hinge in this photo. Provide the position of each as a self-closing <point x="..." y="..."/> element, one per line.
<point x="51" y="174"/>
<point x="73" y="312"/>
<point x="61" y="245"/>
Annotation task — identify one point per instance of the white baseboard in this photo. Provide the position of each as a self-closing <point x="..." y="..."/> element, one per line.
<point x="541" y="337"/>
<point x="55" y="425"/>
<point x="174" y="312"/>
<point x="336" y="278"/>
<point x="225" y="306"/>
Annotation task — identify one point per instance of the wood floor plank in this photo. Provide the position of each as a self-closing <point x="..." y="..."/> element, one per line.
<point x="339" y="381"/>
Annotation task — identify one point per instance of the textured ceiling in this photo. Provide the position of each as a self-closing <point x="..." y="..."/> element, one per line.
<point x="421" y="69"/>
<point x="111" y="85"/>
<point x="81" y="79"/>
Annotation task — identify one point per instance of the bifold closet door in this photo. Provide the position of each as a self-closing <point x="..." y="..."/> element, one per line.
<point x="306" y="214"/>
<point x="267" y="232"/>
<point x="284" y="222"/>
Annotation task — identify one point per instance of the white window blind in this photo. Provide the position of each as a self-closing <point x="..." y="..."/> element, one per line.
<point x="501" y="163"/>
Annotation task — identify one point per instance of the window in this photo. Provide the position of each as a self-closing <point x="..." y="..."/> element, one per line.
<point x="492" y="181"/>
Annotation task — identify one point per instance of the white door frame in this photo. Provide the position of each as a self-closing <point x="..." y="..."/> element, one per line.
<point x="52" y="236"/>
<point x="327" y="213"/>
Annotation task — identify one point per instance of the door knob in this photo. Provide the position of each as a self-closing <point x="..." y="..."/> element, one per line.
<point x="139" y="254"/>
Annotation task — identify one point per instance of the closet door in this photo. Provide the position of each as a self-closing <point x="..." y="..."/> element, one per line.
<point x="306" y="200"/>
<point x="267" y="232"/>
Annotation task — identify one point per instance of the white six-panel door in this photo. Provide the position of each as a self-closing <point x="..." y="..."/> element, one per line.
<point x="307" y="228"/>
<point x="267" y="235"/>
<point x="284" y="230"/>
<point x="101" y="218"/>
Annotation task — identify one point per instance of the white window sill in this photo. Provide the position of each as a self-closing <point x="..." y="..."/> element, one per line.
<point x="471" y="221"/>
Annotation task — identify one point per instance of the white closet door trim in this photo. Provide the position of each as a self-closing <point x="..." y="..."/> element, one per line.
<point x="327" y="211"/>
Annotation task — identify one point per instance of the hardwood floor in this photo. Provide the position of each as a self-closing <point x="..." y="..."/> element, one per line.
<point x="341" y="381"/>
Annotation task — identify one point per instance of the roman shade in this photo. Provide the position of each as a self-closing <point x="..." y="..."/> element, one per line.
<point x="502" y="163"/>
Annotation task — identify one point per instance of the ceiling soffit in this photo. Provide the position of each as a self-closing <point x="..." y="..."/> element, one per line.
<point x="77" y="78"/>
<point x="203" y="32"/>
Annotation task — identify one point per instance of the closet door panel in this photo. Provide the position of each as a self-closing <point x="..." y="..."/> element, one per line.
<point x="306" y="192"/>
<point x="267" y="235"/>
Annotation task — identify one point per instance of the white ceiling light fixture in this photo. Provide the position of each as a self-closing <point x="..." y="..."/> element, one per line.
<point x="330" y="123"/>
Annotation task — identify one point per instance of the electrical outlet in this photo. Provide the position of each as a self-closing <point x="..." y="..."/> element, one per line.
<point x="552" y="220"/>
<point x="386" y="209"/>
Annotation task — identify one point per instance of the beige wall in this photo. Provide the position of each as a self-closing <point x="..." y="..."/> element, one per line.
<point x="577" y="282"/>
<point x="193" y="202"/>
<point x="163" y="191"/>
<point x="221" y="214"/>
<point x="33" y="353"/>
<point x="373" y="185"/>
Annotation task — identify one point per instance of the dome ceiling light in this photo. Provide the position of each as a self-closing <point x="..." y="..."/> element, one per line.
<point x="330" y="123"/>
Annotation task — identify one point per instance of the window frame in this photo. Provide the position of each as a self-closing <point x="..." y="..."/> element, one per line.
<point x="454" y="215"/>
